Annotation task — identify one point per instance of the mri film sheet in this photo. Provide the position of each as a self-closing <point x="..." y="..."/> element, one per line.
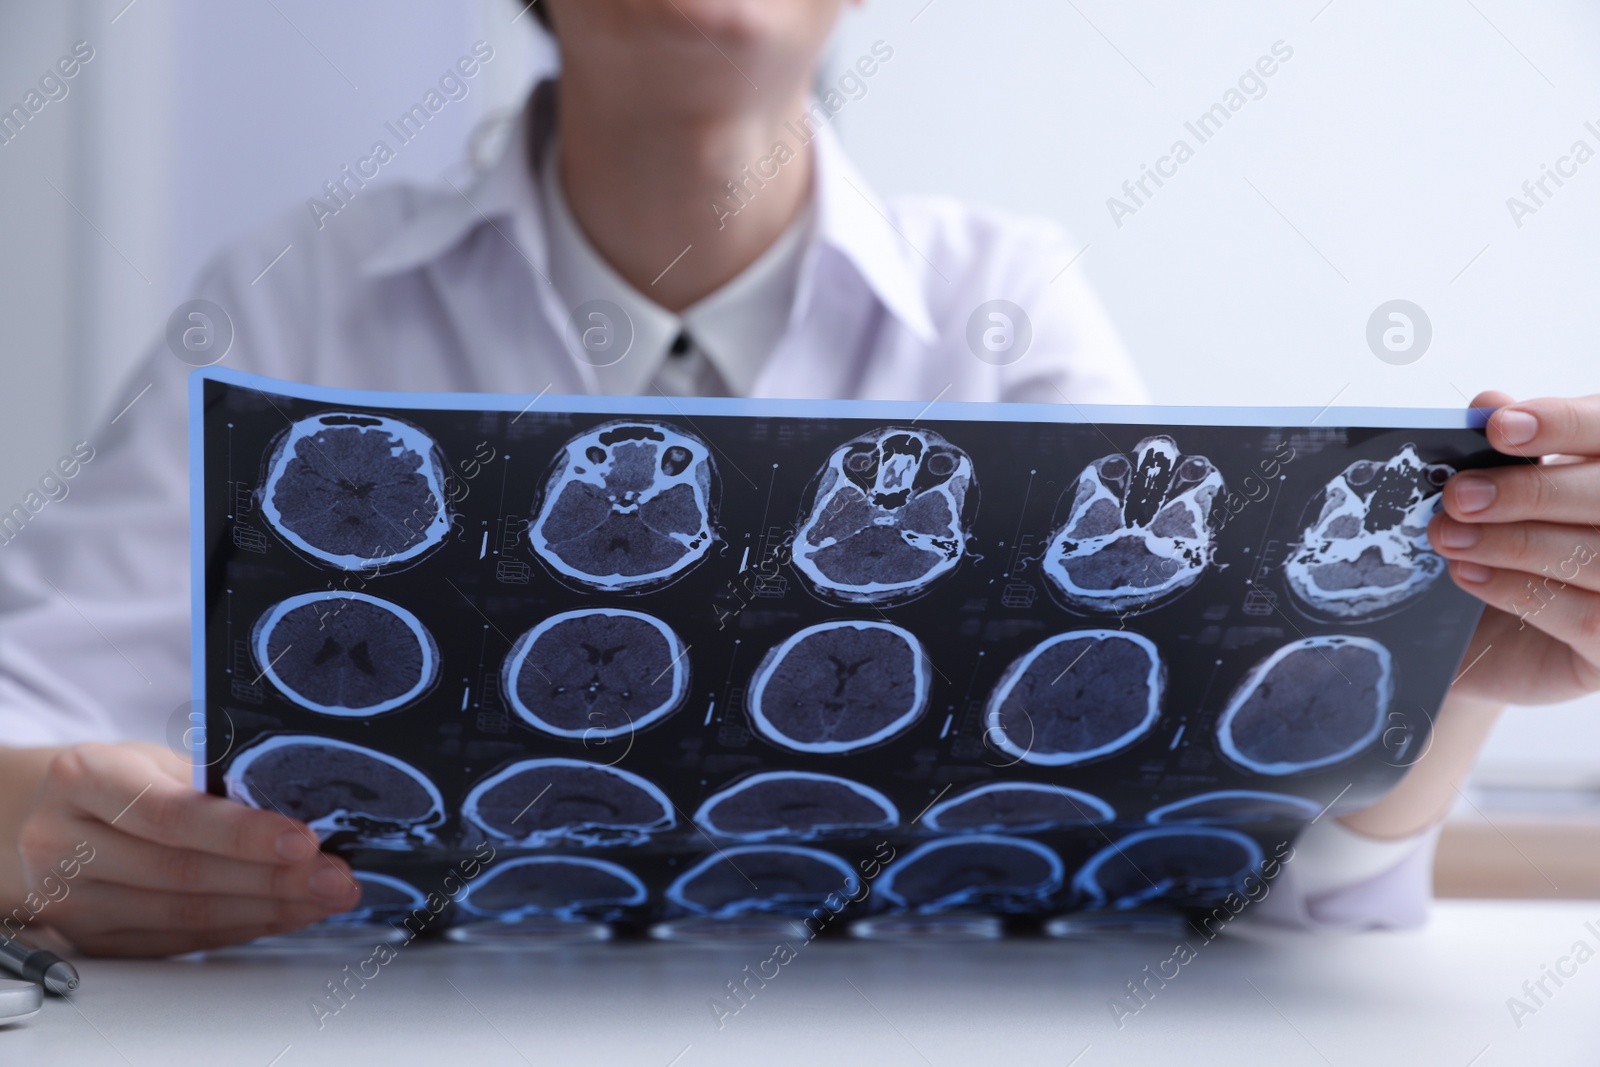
<point x="724" y="660"/>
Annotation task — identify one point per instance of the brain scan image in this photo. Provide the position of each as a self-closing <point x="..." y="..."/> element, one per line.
<point x="1016" y="807"/>
<point x="797" y="805"/>
<point x="356" y="492"/>
<point x="886" y="518"/>
<point x="383" y="898"/>
<point x="754" y="879"/>
<point x="1236" y="806"/>
<point x="628" y="507"/>
<point x="566" y="802"/>
<point x="346" y="654"/>
<point x="1137" y="532"/>
<point x="1076" y="696"/>
<point x="1366" y="553"/>
<point x="984" y="870"/>
<point x="1312" y="703"/>
<point x="596" y="673"/>
<point x="570" y="888"/>
<point x="1189" y="865"/>
<point x="338" y="788"/>
<point x="839" y="686"/>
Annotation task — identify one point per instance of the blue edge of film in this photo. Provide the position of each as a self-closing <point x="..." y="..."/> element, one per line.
<point x="1155" y="416"/>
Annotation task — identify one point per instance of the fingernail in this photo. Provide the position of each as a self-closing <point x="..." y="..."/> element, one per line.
<point x="1473" y="572"/>
<point x="329" y="884"/>
<point x="1458" y="535"/>
<point x="294" y="847"/>
<point x="1517" y="427"/>
<point x="1473" y="492"/>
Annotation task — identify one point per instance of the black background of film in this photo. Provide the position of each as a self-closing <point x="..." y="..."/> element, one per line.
<point x="973" y="623"/>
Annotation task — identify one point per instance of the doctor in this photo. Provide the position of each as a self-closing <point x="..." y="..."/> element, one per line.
<point x="678" y="181"/>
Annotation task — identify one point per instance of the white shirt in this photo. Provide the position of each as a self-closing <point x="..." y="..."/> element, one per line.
<point x="451" y="289"/>
<point x="730" y="333"/>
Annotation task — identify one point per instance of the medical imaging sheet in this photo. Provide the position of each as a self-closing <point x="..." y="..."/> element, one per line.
<point x="671" y="658"/>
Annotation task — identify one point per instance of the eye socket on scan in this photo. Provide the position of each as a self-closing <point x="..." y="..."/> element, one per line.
<point x="1193" y="469"/>
<point x="1362" y="473"/>
<point x="676" y="460"/>
<point x="860" y="461"/>
<point x="941" y="464"/>
<point x="1438" y="474"/>
<point x="1116" y="468"/>
<point x="595" y="454"/>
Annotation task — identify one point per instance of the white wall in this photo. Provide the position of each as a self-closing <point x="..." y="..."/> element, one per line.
<point x="1390" y="141"/>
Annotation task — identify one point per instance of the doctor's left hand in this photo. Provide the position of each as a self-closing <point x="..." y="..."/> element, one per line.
<point x="1525" y="539"/>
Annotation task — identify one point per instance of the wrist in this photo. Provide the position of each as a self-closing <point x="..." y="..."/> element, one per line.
<point x="1427" y="792"/>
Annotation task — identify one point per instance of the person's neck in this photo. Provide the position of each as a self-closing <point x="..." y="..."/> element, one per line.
<point x="650" y="188"/>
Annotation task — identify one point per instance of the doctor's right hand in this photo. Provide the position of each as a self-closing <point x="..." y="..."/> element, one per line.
<point x="157" y="868"/>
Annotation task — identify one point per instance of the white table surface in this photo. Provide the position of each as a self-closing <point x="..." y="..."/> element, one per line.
<point x="1436" y="996"/>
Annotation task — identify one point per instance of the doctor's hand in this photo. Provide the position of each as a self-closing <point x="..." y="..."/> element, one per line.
<point x="1525" y="539"/>
<point x="160" y="869"/>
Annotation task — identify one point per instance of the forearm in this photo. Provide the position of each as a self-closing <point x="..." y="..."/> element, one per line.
<point x="1429" y="789"/>
<point x="21" y="771"/>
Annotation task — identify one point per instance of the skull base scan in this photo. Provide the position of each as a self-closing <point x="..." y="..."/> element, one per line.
<point x="629" y="507"/>
<point x="1077" y="696"/>
<point x="338" y="788"/>
<point x="345" y="654"/>
<point x="837" y="687"/>
<point x="887" y="517"/>
<point x="794" y="805"/>
<point x="756" y="879"/>
<point x="983" y="871"/>
<point x="1138" y="530"/>
<point x="596" y="673"/>
<point x="1184" y="866"/>
<point x="356" y="491"/>
<point x="557" y="887"/>
<point x="1312" y="703"/>
<point x="1367" y="552"/>
<point x="547" y="802"/>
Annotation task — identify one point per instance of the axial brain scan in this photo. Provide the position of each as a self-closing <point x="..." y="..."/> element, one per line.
<point x="1313" y="702"/>
<point x="596" y="673"/>
<point x="1235" y="806"/>
<point x="1188" y="865"/>
<point x="1138" y="530"/>
<point x="384" y="898"/>
<point x="1367" y="551"/>
<point x="748" y="879"/>
<point x="887" y="517"/>
<point x="839" y="686"/>
<point x="628" y="507"/>
<point x="346" y="654"/>
<point x="1077" y="696"/>
<point x="544" y="802"/>
<point x="984" y="870"/>
<point x="338" y="788"/>
<point x="356" y="491"/>
<point x="794" y="804"/>
<point x="1017" y="807"/>
<point x="556" y="887"/>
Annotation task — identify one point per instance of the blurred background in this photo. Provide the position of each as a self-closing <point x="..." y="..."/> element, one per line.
<point x="1374" y="164"/>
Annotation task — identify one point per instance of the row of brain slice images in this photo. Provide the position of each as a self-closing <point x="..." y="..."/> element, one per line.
<point x="557" y="803"/>
<point x="630" y="506"/>
<point x="834" y="688"/>
<point x="985" y="872"/>
<point x="380" y="801"/>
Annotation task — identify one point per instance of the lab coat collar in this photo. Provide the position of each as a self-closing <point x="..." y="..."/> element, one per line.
<point x="849" y="218"/>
